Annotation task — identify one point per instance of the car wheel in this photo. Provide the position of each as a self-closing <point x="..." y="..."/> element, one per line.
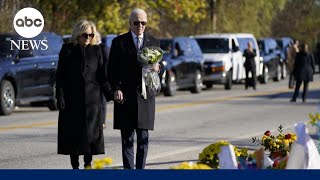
<point x="52" y="105"/>
<point x="8" y="98"/>
<point x="228" y="84"/>
<point x="198" y="82"/>
<point x="278" y="73"/>
<point x="265" y="75"/>
<point x="171" y="87"/>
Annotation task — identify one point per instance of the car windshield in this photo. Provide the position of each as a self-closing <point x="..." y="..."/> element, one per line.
<point x="5" y="47"/>
<point x="280" y="43"/>
<point x="211" y="45"/>
<point x="243" y="43"/>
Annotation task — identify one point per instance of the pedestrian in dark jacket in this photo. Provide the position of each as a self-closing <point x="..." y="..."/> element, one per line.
<point x="132" y="113"/>
<point x="79" y="78"/>
<point x="303" y="72"/>
<point x="250" y="66"/>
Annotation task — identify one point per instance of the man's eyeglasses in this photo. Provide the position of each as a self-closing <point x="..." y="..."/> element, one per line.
<point x="87" y="36"/>
<point x="143" y="23"/>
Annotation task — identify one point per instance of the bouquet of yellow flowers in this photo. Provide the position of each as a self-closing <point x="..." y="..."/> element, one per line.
<point x="209" y="155"/>
<point x="278" y="145"/>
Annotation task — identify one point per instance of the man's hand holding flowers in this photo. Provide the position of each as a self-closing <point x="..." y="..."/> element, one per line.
<point x="156" y="68"/>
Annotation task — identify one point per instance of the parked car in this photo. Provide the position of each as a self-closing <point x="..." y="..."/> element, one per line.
<point x="67" y="38"/>
<point x="270" y="54"/>
<point x="27" y="77"/>
<point x="183" y="62"/>
<point x="107" y="41"/>
<point x="223" y="60"/>
<point x="284" y="44"/>
<point x="243" y="39"/>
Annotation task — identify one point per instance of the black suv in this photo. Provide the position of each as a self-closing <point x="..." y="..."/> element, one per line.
<point x="27" y="77"/>
<point x="270" y="53"/>
<point x="183" y="62"/>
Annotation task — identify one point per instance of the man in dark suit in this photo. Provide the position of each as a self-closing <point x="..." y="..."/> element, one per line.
<point x="132" y="113"/>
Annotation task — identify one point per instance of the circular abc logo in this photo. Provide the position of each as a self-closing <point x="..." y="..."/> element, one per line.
<point x="28" y="22"/>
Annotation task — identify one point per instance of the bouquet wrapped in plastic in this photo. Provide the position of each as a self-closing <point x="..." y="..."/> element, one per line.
<point x="148" y="57"/>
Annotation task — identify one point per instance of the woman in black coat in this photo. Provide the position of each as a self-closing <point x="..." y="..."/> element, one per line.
<point x="80" y="77"/>
<point x="250" y="66"/>
<point x="303" y="72"/>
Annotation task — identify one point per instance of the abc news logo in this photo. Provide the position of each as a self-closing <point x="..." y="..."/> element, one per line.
<point x="29" y="23"/>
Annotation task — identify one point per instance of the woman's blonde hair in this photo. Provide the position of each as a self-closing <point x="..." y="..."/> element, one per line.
<point x="81" y="27"/>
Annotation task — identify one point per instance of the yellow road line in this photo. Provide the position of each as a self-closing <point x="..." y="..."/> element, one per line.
<point x="28" y="126"/>
<point x="174" y="106"/>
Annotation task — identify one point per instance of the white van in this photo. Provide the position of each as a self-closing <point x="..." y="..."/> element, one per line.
<point x="243" y="39"/>
<point x="223" y="62"/>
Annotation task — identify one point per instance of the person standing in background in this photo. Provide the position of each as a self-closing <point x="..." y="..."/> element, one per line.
<point x="250" y="66"/>
<point x="291" y="55"/>
<point x="303" y="72"/>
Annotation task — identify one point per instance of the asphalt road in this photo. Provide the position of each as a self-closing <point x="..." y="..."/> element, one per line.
<point x="185" y="124"/>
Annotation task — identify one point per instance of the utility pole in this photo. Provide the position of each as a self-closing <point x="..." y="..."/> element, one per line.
<point x="213" y="15"/>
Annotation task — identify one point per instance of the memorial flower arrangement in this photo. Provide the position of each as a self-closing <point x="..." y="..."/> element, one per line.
<point x="148" y="57"/>
<point x="209" y="155"/>
<point x="278" y="145"/>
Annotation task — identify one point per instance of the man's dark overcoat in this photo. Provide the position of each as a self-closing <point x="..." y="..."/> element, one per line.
<point x="125" y="75"/>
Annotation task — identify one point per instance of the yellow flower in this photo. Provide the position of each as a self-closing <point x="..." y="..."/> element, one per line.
<point x="97" y="161"/>
<point x="98" y="165"/>
<point x="190" y="165"/>
<point x="237" y="153"/>
<point x="293" y="137"/>
<point x="278" y="140"/>
<point x="312" y="117"/>
<point x="286" y="142"/>
<point x="107" y="160"/>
